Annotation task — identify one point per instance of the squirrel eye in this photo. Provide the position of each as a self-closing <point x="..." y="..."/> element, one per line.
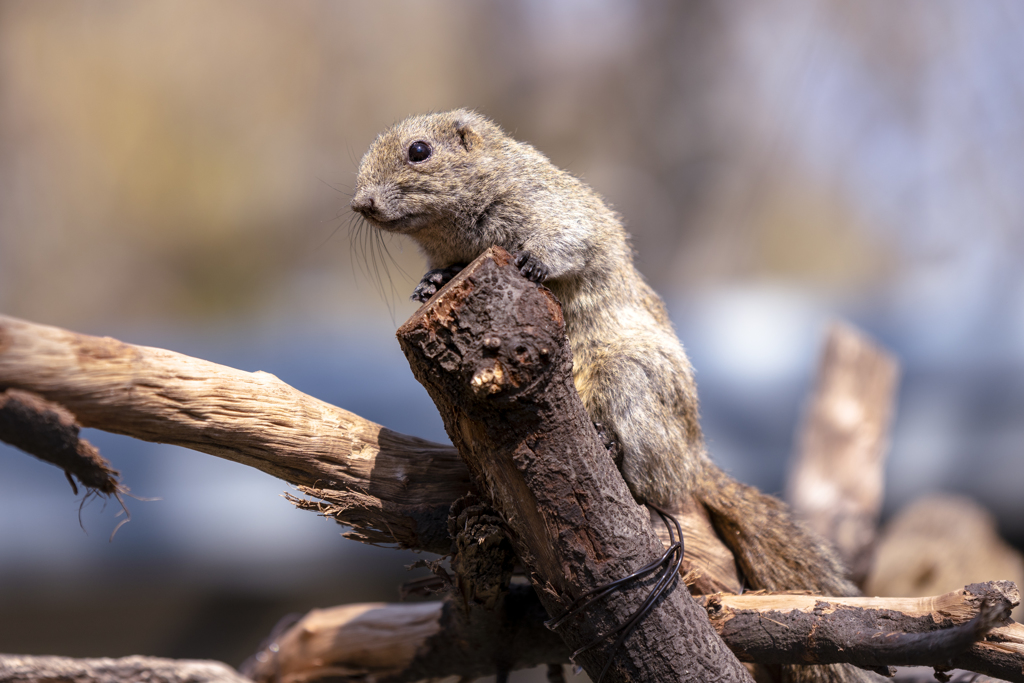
<point x="419" y="151"/>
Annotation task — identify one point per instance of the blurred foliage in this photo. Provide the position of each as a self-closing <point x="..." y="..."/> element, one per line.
<point x="180" y="159"/>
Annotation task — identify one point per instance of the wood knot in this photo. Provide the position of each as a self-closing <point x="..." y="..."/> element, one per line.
<point x="490" y="380"/>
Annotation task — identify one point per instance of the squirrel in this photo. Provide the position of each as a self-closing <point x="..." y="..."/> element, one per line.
<point x="457" y="184"/>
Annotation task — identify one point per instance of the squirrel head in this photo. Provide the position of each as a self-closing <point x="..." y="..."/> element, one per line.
<point x="428" y="170"/>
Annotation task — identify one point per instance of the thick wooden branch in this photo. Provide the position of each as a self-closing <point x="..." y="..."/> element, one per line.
<point x="837" y="476"/>
<point x="136" y="669"/>
<point x="491" y="350"/>
<point x="943" y="631"/>
<point x="102" y="378"/>
<point x="400" y="642"/>
<point x="389" y="487"/>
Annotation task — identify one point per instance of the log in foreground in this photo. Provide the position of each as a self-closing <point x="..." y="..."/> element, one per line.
<point x="406" y="642"/>
<point x="490" y="348"/>
<point x="944" y="631"/>
<point x="136" y="669"/>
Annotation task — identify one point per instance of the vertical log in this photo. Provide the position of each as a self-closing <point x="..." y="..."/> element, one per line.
<point x="491" y="350"/>
<point x="836" y="480"/>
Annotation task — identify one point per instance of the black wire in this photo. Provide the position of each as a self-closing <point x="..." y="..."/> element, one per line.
<point x="673" y="556"/>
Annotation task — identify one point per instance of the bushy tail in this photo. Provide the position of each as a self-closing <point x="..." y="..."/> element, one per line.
<point x="773" y="550"/>
<point x="776" y="552"/>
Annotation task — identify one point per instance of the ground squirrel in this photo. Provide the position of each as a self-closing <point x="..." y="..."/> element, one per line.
<point x="457" y="184"/>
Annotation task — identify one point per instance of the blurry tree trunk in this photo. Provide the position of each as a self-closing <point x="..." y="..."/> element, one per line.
<point x="837" y="478"/>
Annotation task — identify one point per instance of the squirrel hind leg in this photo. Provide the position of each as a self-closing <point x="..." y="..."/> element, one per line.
<point x="623" y="389"/>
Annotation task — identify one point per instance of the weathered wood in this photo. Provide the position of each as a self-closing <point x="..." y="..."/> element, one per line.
<point x="255" y="419"/>
<point x="490" y="348"/>
<point x="389" y="487"/>
<point x="837" y="478"/>
<point x="400" y="642"/>
<point x="135" y="669"/>
<point x="861" y="631"/>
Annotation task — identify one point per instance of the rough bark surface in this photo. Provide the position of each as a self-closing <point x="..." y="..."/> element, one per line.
<point x="491" y="351"/>
<point x="390" y="487"/>
<point x="837" y="477"/>
<point x="862" y="631"/>
<point x="136" y="669"/>
<point x="400" y="642"/>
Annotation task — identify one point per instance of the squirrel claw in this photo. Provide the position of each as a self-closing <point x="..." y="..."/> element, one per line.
<point x="532" y="268"/>
<point x="433" y="281"/>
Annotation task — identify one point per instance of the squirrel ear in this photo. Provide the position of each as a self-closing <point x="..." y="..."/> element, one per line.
<point x="469" y="137"/>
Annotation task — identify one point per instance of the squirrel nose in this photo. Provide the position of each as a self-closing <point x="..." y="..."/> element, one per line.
<point x="364" y="203"/>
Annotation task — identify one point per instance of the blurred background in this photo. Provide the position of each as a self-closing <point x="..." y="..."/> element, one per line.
<point x="177" y="173"/>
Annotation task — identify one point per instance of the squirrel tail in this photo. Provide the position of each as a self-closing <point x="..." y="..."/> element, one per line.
<point x="776" y="552"/>
<point x="773" y="550"/>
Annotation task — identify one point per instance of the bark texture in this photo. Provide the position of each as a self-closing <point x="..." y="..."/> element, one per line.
<point x="868" y="632"/>
<point x="386" y="486"/>
<point x="135" y="669"/>
<point x="490" y="348"/>
<point x="402" y="643"/>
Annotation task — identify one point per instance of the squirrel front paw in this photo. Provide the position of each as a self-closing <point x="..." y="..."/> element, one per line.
<point x="530" y="266"/>
<point x="435" y="280"/>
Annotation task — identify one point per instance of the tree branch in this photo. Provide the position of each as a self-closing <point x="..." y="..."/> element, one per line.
<point x="940" y="631"/>
<point x="49" y="432"/>
<point x="406" y="642"/>
<point x="389" y="487"/>
<point x="491" y="350"/>
<point x="135" y="669"/>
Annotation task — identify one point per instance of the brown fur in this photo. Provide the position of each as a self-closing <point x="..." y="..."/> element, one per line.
<point x="478" y="188"/>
